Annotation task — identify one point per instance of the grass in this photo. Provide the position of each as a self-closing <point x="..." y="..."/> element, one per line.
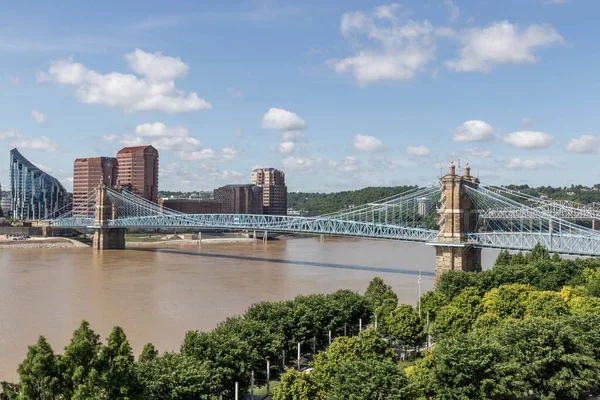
<point x="261" y="391"/>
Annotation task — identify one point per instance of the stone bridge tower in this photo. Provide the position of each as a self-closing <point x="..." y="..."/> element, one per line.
<point x="106" y="237"/>
<point x="457" y="218"/>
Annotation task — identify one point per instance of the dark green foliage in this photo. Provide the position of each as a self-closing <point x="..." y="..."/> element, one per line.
<point x="503" y="258"/>
<point x="149" y="353"/>
<point x="177" y="377"/>
<point x="383" y="311"/>
<point x="9" y="391"/>
<point x="460" y="314"/>
<point x="405" y="326"/>
<point x="377" y="292"/>
<point x="297" y="386"/>
<point x="115" y="362"/>
<point x="376" y="380"/>
<point x="39" y="377"/>
<point x="537" y="254"/>
<point x="432" y="302"/>
<point x="331" y="202"/>
<point x="546" y="305"/>
<point x="518" y="259"/>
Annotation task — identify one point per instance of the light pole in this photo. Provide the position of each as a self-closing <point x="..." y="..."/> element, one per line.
<point x="419" y="301"/>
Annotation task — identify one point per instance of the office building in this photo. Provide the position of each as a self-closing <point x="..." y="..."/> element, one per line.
<point x="423" y="206"/>
<point x="88" y="173"/>
<point x="193" y="206"/>
<point x="240" y="199"/>
<point x="138" y="171"/>
<point x="34" y="193"/>
<point x="5" y="205"/>
<point x="272" y="182"/>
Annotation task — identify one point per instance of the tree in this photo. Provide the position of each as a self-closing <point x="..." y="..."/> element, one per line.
<point x="554" y="360"/>
<point x="546" y="305"/>
<point x="149" y="353"/>
<point x="39" y="378"/>
<point x="518" y="259"/>
<point x="431" y="302"/>
<point x="537" y="254"/>
<point x="406" y="327"/>
<point x="503" y="258"/>
<point x="460" y="314"/>
<point x="507" y="301"/>
<point x="116" y="365"/>
<point x="9" y="391"/>
<point x="297" y="386"/>
<point x="178" y="377"/>
<point x="487" y="322"/>
<point x="376" y="380"/>
<point x="383" y="311"/>
<point x="474" y="366"/>
<point x="377" y="293"/>
<point x="79" y="362"/>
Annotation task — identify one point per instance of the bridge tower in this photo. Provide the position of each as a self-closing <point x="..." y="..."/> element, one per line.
<point x="105" y="237"/>
<point x="457" y="218"/>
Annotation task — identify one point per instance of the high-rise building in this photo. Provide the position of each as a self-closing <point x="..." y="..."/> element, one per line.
<point x="193" y="206"/>
<point x="240" y="199"/>
<point x="423" y="206"/>
<point x="138" y="171"/>
<point x="34" y="193"/>
<point x="272" y="182"/>
<point x="88" y="173"/>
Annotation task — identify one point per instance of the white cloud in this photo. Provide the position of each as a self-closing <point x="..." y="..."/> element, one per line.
<point x="348" y="164"/>
<point x="17" y="139"/>
<point x="479" y="152"/>
<point x="517" y="163"/>
<point x="584" y="144"/>
<point x="453" y="9"/>
<point x="501" y="43"/>
<point x="473" y="131"/>
<point x="368" y="144"/>
<point x="286" y="147"/>
<point x="403" y="46"/>
<point x="292" y="136"/>
<point x="305" y="164"/>
<point x="39" y="117"/>
<point x="155" y="66"/>
<point x="110" y="138"/>
<point x="43" y="167"/>
<point x="154" y="91"/>
<point x="208" y="155"/>
<point x="234" y="92"/>
<point x="419" y="151"/>
<point x="529" y="139"/>
<point x="195" y="176"/>
<point x="283" y="120"/>
<point x="15" y="80"/>
<point x="160" y="136"/>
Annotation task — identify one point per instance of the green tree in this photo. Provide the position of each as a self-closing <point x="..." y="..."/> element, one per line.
<point x="554" y="360"/>
<point x="518" y="259"/>
<point x="9" y="391"/>
<point x="406" y="327"/>
<point x="546" y="304"/>
<point x="376" y="380"/>
<point x="503" y="258"/>
<point x="460" y="314"/>
<point x="297" y="386"/>
<point x="377" y="293"/>
<point x="178" y="377"/>
<point x="431" y="302"/>
<point x="487" y="322"/>
<point x="39" y="378"/>
<point x="473" y="366"/>
<point x="383" y="311"/>
<point x="537" y="254"/>
<point x="507" y="301"/>
<point x="116" y="365"/>
<point x="149" y="353"/>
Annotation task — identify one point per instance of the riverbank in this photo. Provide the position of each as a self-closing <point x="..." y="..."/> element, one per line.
<point x="39" y="243"/>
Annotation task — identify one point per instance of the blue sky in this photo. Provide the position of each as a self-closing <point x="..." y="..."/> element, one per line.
<point x="339" y="95"/>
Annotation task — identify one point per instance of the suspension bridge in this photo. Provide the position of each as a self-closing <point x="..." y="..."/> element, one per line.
<point x="458" y="215"/>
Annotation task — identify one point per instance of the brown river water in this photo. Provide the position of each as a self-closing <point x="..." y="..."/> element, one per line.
<point x="157" y="295"/>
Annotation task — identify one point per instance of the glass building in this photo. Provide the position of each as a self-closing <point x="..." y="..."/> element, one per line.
<point x="35" y="194"/>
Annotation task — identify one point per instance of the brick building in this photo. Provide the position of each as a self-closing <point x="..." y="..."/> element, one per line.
<point x="240" y="199"/>
<point x="87" y="175"/>
<point x="193" y="206"/>
<point x="138" y="170"/>
<point x="272" y="182"/>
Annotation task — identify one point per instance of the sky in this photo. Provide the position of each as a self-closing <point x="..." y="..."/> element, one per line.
<point x="339" y="94"/>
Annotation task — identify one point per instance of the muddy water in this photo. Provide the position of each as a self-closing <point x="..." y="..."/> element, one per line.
<point x="158" y="294"/>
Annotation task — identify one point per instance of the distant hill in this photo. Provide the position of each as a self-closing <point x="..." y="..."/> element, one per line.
<point x="331" y="202"/>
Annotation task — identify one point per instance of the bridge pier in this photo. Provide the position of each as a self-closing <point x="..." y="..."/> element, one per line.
<point x="109" y="239"/>
<point x="457" y="217"/>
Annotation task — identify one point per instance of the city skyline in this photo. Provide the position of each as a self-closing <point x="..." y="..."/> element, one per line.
<point x="339" y="96"/>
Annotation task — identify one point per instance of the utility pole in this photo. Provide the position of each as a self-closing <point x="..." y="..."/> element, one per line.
<point x="252" y="385"/>
<point x="419" y="301"/>
<point x="330" y="337"/>
<point x="298" y="356"/>
<point x="236" y="390"/>
<point x="359" y="325"/>
<point x="268" y="376"/>
<point x="428" y="340"/>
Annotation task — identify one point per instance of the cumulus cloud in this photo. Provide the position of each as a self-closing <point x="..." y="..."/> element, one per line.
<point x="348" y="164"/>
<point x="403" y="47"/>
<point x="473" y="131"/>
<point x="208" y="155"/>
<point x="517" y="163"/>
<point x="39" y="117"/>
<point x="283" y="120"/>
<point x="368" y="144"/>
<point x="17" y="139"/>
<point x="305" y="164"/>
<point x="153" y="90"/>
<point x="529" y="139"/>
<point x="479" y="152"/>
<point x="195" y="176"/>
<point x="584" y="144"/>
<point x="452" y="9"/>
<point x="292" y="136"/>
<point x="286" y="147"/>
<point x="419" y="151"/>
<point x="501" y="43"/>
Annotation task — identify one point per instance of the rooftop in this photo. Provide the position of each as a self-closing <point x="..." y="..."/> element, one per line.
<point x="135" y="149"/>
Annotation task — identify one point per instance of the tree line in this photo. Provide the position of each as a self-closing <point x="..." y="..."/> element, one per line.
<point x="526" y="329"/>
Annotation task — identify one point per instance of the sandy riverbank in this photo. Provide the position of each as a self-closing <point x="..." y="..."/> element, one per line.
<point x="39" y="243"/>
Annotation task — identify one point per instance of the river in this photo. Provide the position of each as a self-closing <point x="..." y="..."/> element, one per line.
<point x="157" y="295"/>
